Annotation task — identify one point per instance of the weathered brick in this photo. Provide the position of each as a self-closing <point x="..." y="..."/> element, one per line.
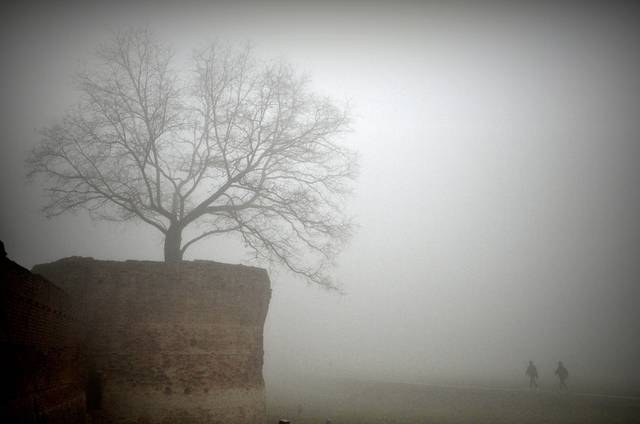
<point x="42" y="378"/>
<point x="172" y="342"/>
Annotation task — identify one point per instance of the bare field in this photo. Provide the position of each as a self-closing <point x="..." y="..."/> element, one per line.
<point x="376" y="402"/>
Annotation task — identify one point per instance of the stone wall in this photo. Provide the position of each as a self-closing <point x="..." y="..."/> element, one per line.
<point x="42" y="378"/>
<point x="170" y="342"/>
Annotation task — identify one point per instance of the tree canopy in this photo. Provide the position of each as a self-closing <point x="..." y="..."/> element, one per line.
<point x="232" y="145"/>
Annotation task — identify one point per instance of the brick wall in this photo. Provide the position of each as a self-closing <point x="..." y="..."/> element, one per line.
<point x="170" y="342"/>
<point x="42" y="378"/>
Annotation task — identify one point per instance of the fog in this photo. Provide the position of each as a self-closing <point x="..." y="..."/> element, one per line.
<point x="497" y="200"/>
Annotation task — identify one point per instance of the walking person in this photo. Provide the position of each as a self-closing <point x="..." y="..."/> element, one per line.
<point x="562" y="374"/>
<point x="532" y="372"/>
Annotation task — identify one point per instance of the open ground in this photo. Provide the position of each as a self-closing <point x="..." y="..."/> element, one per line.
<point x="381" y="402"/>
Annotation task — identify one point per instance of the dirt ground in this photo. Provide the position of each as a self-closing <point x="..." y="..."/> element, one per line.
<point x="373" y="402"/>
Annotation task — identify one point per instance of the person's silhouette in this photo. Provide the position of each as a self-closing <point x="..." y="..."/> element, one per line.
<point x="562" y="374"/>
<point x="532" y="372"/>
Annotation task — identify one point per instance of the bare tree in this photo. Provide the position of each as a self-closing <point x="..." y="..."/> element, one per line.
<point x="233" y="146"/>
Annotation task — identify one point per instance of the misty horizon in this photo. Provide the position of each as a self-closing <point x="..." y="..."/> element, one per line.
<point x="497" y="201"/>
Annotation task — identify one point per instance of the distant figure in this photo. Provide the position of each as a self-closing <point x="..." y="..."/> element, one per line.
<point x="532" y="372"/>
<point x="562" y="374"/>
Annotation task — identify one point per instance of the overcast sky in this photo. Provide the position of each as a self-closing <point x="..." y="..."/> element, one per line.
<point x="497" y="201"/>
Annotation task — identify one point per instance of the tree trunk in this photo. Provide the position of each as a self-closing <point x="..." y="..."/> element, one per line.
<point x="172" y="243"/>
